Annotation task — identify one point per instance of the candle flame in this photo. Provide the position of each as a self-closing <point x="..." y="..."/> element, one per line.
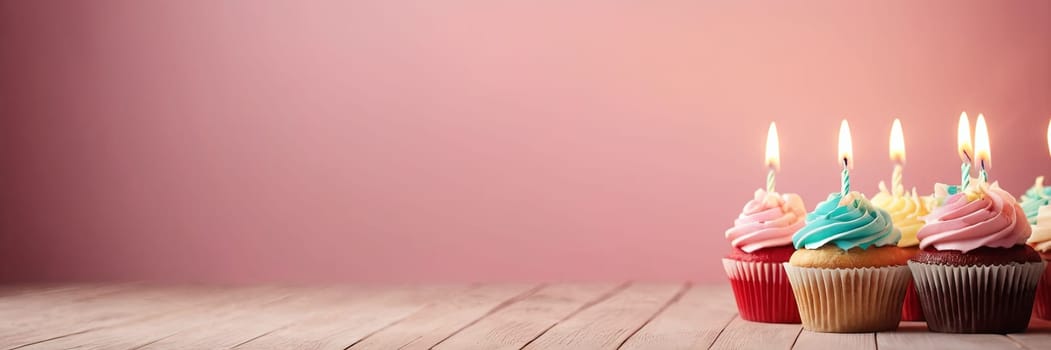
<point x="963" y="138"/>
<point x="897" y="142"/>
<point x="846" y="147"/>
<point x="982" y="153"/>
<point x="773" y="150"/>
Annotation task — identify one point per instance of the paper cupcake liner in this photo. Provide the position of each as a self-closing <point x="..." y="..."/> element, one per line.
<point x="849" y="300"/>
<point x="977" y="299"/>
<point x="1042" y="304"/>
<point x="911" y="309"/>
<point x="762" y="291"/>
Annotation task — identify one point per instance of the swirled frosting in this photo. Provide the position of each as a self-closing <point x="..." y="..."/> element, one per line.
<point x="983" y="215"/>
<point x="906" y="212"/>
<point x="1041" y="237"/>
<point x="847" y="221"/>
<point x="768" y="220"/>
<point x="1036" y="197"/>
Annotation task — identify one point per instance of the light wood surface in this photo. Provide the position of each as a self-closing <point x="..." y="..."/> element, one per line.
<point x="489" y="316"/>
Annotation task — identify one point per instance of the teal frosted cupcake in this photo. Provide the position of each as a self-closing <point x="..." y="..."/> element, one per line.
<point x="848" y="274"/>
<point x="1036" y="197"/>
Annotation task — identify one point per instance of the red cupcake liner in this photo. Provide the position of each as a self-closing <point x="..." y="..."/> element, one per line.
<point x="762" y="291"/>
<point x="911" y="310"/>
<point x="1042" y="304"/>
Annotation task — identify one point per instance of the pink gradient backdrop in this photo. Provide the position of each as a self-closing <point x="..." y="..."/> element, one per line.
<point x="246" y="141"/>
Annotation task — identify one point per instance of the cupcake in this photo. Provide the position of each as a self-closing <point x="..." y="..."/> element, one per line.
<point x="848" y="274"/>
<point x="1041" y="242"/>
<point x="974" y="273"/>
<point x="762" y="241"/>
<point x="906" y="212"/>
<point x="1036" y="197"/>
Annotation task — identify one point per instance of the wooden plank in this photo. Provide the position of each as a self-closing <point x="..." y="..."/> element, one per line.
<point x="34" y="300"/>
<point x="12" y="290"/>
<point x="77" y="321"/>
<point x="58" y="314"/>
<point x="741" y="334"/>
<point x="518" y="324"/>
<point x="1038" y="337"/>
<point x="232" y="330"/>
<point x="914" y="335"/>
<point x="692" y="322"/>
<point x="834" y="341"/>
<point x="349" y="323"/>
<point x="609" y="323"/>
<point x="437" y="322"/>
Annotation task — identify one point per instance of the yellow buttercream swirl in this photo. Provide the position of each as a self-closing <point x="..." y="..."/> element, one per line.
<point x="906" y="211"/>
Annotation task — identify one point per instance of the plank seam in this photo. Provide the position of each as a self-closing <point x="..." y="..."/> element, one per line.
<point x="133" y="320"/>
<point x="55" y="338"/>
<point x="586" y="305"/>
<point x="153" y="341"/>
<point x="498" y="307"/>
<point x="796" y="339"/>
<point x="675" y="298"/>
<point x="717" y="335"/>
<point x="1017" y="343"/>
<point x="408" y="315"/>
<point x="259" y="336"/>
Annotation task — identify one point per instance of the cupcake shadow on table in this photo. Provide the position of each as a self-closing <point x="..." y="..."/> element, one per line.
<point x="974" y="273"/>
<point x="762" y="242"/>
<point x="847" y="274"/>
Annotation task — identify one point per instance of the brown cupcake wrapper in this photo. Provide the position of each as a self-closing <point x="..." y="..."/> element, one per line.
<point x="849" y="300"/>
<point x="977" y="299"/>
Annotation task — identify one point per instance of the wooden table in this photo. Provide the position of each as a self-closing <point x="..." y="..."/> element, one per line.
<point x="488" y="316"/>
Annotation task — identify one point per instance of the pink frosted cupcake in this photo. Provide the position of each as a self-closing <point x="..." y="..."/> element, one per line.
<point x="974" y="273"/>
<point x="762" y="243"/>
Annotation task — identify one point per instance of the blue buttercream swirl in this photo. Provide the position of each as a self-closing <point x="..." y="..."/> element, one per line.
<point x="847" y="221"/>
<point x="1036" y="197"/>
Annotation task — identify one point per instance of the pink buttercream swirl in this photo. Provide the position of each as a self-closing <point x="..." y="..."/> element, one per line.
<point x="767" y="221"/>
<point x="984" y="215"/>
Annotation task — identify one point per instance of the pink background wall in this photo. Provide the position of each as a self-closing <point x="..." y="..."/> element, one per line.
<point x="244" y="141"/>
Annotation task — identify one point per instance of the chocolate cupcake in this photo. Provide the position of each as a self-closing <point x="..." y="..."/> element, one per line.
<point x="975" y="274"/>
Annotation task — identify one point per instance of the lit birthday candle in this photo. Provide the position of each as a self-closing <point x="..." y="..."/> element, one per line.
<point x="846" y="156"/>
<point x="963" y="142"/>
<point x="897" y="155"/>
<point x="981" y="148"/>
<point x="773" y="156"/>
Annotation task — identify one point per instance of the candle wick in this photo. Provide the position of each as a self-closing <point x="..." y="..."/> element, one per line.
<point x="846" y="162"/>
<point x="968" y="156"/>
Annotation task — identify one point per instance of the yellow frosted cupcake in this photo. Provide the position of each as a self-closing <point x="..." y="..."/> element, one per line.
<point x="906" y="212"/>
